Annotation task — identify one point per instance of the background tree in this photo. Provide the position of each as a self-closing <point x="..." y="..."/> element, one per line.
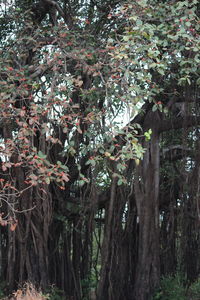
<point x="88" y="201"/>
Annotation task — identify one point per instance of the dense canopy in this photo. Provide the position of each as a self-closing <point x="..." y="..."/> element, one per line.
<point x="99" y="146"/>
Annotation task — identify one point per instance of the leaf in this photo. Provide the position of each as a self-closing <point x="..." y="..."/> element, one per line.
<point x="41" y="155"/>
<point x="91" y="162"/>
<point x="4" y="168"/>
<point x="147" y="134"/>
<point x="161" y="71"/>
<point x="139" y="22"/>
<point x="47" y="180"/>
<point x="64" y="167"/>
<point x="78" y="82"/>
<point x="107" y="154"/>
<point x="126" y="38"/>
<point x="120" y="181"/>
<point x="137" y="161"/>
<point x="154" y="108"/>
<point x="112" y="158"/>
<point x="81" y="182"/>
<point x="13" y="226"/>
<point x="65" y="177"/>
<point x="65" y="130"/>
<point x="22" y="113"/>
<point x="188" y="80"/>
<point x="8" y="165"/>
<point x="33" y="176"/>
<point x="188" y="24"/>
<point x="79" y="130"/>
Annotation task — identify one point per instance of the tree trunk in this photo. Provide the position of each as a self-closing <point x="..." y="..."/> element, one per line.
<point x="103" y="286"/>
<point x="146" y="193"/>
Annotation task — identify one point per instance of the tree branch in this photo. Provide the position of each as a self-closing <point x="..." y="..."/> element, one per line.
<point x="66" y="17"/>
<point x="180" y="122"/>
<point x="56" y="5"/>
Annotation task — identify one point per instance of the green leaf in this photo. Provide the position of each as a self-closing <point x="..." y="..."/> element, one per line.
<point x="126" y="38"/>
<point x="47" y="180"/>
<point x="188" y="24"/>
<point x="139" y="22"/>
<point x="91" y="162"/>
<point x="188" y="80"/>
<point x="81" y="182"/>
<point x="154" y="108"/>
<point x="147" y="134"/>
<point x="161" y="71"/>
<point x="120" y="181"/>
<point x="41" y="155"/>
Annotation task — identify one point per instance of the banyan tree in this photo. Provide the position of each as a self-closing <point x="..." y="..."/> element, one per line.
<point x="99" y="145"/>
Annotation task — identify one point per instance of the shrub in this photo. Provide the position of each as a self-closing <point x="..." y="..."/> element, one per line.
<point x="171" y="288"/>
<point x="54" y="293"/>
<point x="194" y="291"/>
<point x="28" y="292"/>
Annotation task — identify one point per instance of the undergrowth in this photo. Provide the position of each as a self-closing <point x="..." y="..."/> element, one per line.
<point x="29" y="292"/>
<point x="176" y="288"/>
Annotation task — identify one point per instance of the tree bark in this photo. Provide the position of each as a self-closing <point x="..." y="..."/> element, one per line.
<point x="146" y="194"/>
<point x="103" y="286"/>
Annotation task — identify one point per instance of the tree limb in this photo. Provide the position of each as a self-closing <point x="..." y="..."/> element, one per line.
<point x="177" y="123"/>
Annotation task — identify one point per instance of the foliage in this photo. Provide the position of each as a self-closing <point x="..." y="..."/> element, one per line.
<point x="2" y="290"/>
<point x="172" y="288"/>
<point x="154" y="46"/>
<point x="28" y="292"/>
<point x="194" y="290"/>
<point x="54" y="294"/>
<point x="39" y="98"/>
<point x="46" y="107"/>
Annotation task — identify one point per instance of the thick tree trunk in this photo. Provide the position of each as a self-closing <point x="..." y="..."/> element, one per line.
<point x="103" y="286"/>
<point x="119" y="247"/>
<point x="146" y="194"/>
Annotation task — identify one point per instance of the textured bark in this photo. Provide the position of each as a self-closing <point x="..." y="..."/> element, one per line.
<point x="146" y="194"/>
<point x="103" y="285"/>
